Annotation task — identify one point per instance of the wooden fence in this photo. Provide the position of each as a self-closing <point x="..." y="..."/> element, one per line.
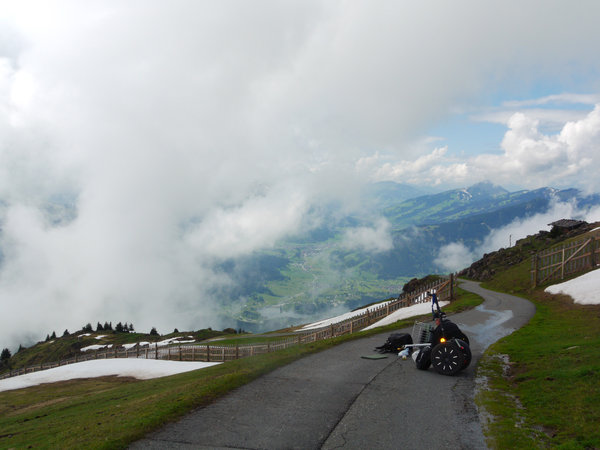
<point x="567" y="259"/>
<point x="444" y="289"/>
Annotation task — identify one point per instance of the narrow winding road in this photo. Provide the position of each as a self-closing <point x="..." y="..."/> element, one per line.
<point x="337" y="400"/>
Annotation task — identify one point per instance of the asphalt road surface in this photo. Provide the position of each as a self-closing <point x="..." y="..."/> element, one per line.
<point x="337" y="400"/>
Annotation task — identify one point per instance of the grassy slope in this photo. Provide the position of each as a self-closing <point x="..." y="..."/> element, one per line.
<point x="544" y="379"/>
<point x="111" y="412"/>
<point x="68" y="346"/>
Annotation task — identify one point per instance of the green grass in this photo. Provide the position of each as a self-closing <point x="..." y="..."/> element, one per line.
<point x="68" y="346"/>
<point x="112" y="412"/>
<point x="543" y="381"/>
<point x="311" y="276"/>
<point x="250" y="339"/>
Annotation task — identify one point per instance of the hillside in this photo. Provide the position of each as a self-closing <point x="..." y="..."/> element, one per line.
<point x="540" y="382"/>
<point x="307" y="277"/>
<point x="503" y="259"/>
<point x="77" y="343"/>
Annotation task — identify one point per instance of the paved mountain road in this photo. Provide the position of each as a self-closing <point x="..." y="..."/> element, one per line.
<point x="336" y="399"/>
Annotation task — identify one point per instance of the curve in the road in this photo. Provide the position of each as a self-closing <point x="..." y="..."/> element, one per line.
<point x="336" y="399"/>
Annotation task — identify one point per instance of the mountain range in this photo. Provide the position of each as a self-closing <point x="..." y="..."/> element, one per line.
<point x="316" y="274"/>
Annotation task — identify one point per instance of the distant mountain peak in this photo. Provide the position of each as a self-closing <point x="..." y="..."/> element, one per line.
<point x="486" y="188"/>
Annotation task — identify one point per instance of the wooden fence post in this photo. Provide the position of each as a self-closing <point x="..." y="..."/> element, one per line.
<point x="208" y="353"/>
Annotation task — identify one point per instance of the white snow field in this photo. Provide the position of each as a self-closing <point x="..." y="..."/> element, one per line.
<point x="142" y="369"/>
<point x="584" y="290"/>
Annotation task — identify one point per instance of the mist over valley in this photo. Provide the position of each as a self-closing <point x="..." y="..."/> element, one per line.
<point x="254" y="165"/>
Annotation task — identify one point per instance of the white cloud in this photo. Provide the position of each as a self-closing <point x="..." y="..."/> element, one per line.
<point x="553" y="119"/>
<point x="407" y="169"/>
<point x="454" y="257"/>
<point x="587" y="99"/>
<point x="457" y="256"/>
<point x="528" y="158"/>
<point x="566" y="158"/>
<point x="187" y="132"/>
<point x="374" y="239"/>
<point x="258" y="223"/>
<point x="520" y="228"/>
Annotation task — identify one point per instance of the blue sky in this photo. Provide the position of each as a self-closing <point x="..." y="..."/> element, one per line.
<point x="472" y="132"/>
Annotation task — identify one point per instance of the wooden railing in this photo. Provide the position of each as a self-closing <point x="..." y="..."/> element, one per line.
<point x="443" y="288"/>
<point x="556" y="263"/>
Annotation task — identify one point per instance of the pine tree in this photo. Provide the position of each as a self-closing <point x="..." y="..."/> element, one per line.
<point x="66" y="333"/>
<point x="53" y="335"/>
<point x="47" y="338"/>
<point x="88" y="328"/>
<point x="153" y="332"/>
<point x="131" y="328"/>
<point x="99" y="327"/>
<point x="119" y="328"/>
<point x="5" y="355"/>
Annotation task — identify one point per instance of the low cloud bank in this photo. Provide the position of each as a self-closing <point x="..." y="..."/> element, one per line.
<point x="528" y="156"/>
<point x="374" y="239"/>
<point x="457" y="256"/>
<point x="175" y="136"/>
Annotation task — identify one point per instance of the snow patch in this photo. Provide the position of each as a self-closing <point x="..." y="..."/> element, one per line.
<point x="584" y="290"/>
<point x="95" y="347"/>
<point x="141" y="369"/>
<point x="402" y="313"/>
